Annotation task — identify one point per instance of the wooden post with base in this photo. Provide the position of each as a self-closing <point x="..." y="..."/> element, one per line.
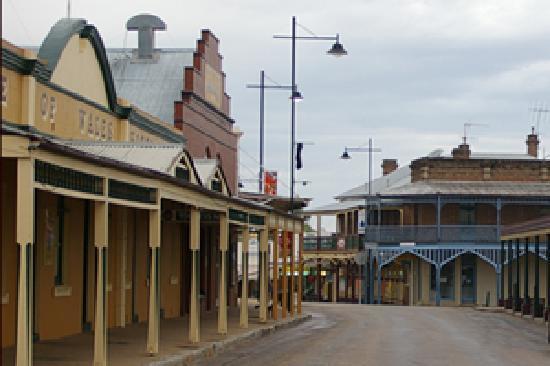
<point x="194" y="246"/>
<point x="243" y="322"/>
<point x="263" y="275"/>
<point x="222" y="306"/>
<point x="101" y="225"/>
<point x="153" y="322"/>
<point x="25" y="239"/>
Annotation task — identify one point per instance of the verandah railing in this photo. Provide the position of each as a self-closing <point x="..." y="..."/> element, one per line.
<point x="405" y="234"/>
<point x="333" y="243"/>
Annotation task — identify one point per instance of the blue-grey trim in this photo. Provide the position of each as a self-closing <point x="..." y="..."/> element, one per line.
<point x="55" y="42"/>
<point x="21" y="65"/>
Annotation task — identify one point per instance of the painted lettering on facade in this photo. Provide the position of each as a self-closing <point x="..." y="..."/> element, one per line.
<point x="138" y="136"/>
<point x="94" y="126"/>
<point x="4" y="91"/>
<point x="48" y="109"/>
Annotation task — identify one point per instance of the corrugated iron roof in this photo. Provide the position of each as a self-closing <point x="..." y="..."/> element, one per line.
<point x="531" y="226"/>
<point x="152" y="85"/>
<point x="159" y="157"/>
<point x="396" y="178"/>
<point x="44" y="142"/>
<point x="335" y="207"/>
<point x="475" y="188"/>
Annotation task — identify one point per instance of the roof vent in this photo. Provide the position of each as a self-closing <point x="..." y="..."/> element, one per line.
<point x="146" y="25"/>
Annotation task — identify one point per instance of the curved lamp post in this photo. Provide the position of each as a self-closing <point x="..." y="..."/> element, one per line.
<point x="369" y="293"/>
<point x="337" y="50"/>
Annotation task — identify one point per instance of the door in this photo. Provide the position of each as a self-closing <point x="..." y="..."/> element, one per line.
<point x="468" y="279"/>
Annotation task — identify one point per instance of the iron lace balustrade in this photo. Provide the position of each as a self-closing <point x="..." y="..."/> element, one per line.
<point x="429" y="233"/>
<point x="333" y="243"/>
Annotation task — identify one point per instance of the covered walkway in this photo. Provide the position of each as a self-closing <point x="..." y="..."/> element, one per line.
<point x="126" y="344"/>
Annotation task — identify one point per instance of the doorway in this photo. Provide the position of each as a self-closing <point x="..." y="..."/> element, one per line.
<point x="395" y="283"/>
<point x="468" y="279"/>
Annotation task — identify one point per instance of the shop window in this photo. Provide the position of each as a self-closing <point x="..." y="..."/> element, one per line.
<point x="217" y="185"/>
<point x="446" y="281"/>
<point x="182" y="173"/>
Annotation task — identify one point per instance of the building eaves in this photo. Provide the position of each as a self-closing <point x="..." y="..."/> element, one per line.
<point x="471" y="188"/>
<point x="158" y="157"/>
<point x="334" y="208"/>
<point x="41" y="141"/>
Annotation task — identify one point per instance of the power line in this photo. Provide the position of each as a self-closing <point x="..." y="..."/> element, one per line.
<point x="249" y="155"/>
<point x="29" y="38"/>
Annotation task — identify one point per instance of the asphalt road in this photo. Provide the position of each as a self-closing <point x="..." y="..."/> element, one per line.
<point x="347" y="334"/>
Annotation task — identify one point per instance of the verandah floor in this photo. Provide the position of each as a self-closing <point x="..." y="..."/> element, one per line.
<point x="127" y="345"/>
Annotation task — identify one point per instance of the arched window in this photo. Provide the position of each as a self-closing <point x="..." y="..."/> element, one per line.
<point x="207" y="152"/>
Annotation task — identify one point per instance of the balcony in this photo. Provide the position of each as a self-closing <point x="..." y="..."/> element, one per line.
<point x="431" y="234"/>
<point x="334" y="243"/>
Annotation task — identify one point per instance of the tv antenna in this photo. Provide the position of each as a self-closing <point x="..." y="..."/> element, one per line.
<point x="467" y="126"/>
<point x="540" y="115"/>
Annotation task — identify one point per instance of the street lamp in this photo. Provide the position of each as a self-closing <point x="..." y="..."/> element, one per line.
<point x="336" y="50"/>
<point x="346" y="156"/>
<point x="295" y="95"/>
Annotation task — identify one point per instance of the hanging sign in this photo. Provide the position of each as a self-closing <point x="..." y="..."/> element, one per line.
<point x="270" y="183"/>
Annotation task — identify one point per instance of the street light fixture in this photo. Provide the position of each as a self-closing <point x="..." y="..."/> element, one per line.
<point x="297" y="96"/>
<point x="336" y="50"/>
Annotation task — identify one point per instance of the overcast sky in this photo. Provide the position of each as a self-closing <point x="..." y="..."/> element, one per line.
<point x="416" y="71"/>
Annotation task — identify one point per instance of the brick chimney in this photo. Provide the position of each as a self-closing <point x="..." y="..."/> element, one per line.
<point x="388" y="166"/>
<point x="533" y="143"/>
<point x="462" y="152"/>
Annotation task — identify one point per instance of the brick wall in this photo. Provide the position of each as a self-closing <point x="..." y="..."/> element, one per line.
<point x="480" y="170"/>
<point x="205" y="122"/>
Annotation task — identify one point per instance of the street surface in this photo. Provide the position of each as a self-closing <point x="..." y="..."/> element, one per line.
<point x="345" y="334"/>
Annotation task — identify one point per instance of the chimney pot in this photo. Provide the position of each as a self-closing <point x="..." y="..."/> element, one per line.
<point x="389" y="166"/>
<point x="533" y="143"/>
<point x="462" y="152"/>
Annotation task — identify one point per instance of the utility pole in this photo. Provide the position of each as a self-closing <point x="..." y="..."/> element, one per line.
<point x="262" y="91"/>
<point x="262" y="88"/>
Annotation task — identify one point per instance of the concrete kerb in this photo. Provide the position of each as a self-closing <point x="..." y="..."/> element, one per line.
<point x="213" y="348"/>
<point x="490" y="309"/>
<point x="499" y="309"/>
